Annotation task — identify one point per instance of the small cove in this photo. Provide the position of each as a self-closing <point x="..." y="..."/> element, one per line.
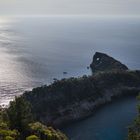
<point x="110" y="122"/>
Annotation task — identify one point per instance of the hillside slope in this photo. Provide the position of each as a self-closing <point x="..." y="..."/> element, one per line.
<point x="75" y="98"/>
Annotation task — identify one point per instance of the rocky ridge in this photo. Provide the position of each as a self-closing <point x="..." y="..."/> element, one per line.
<point x="73" y="99"/>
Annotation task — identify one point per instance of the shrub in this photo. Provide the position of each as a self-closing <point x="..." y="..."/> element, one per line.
<point x="9" y="138"/>
<point x="32" y="137"/>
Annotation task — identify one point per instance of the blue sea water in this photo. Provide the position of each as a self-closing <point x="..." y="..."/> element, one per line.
<point x="111" y="122"/>
<point x="35" y="50"/>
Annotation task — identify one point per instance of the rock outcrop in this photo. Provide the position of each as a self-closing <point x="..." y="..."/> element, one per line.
<point x="103" y="62"/>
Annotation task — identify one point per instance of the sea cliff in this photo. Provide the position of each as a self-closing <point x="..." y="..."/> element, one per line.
<point x="73" y="99"/>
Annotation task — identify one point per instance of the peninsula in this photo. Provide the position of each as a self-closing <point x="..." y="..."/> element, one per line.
<point x="73" y="99"/>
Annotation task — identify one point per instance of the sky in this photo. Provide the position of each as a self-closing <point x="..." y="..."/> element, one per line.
<point x="70" y="7"/>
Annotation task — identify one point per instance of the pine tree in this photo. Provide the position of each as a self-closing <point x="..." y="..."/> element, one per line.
<point x="19" y="113"/>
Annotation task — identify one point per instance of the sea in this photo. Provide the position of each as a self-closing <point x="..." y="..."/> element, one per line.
<point x="36" y="50"/>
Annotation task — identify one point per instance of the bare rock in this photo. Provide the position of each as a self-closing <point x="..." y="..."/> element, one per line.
<point x="103" y="62"/>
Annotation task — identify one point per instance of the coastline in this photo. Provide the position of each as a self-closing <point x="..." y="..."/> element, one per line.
<point x="48" y="102"/>
<point x="110" y="121"/>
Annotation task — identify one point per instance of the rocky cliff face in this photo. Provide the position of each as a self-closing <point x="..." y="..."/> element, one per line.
<point x="76" y="98"/>
<point x="103" y="62"/>
<point x="72" y="99"/>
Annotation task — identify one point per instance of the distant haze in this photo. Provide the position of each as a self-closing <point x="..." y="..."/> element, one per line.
<point x="70" y="7"/>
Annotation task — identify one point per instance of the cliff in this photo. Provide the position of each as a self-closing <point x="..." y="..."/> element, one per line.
<point x="103" y="62"/>
<point x="72" y="99"/>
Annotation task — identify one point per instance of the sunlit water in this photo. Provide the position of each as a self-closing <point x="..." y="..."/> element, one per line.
<point x="34" y="51"/>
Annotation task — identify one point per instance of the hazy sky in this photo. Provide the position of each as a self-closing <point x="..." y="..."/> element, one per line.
<point x="72" y="7"/>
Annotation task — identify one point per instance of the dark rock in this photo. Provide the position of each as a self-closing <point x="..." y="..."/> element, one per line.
<point x="65" y="72"/>
<point x="103" y="62"/>
<point x="55" y="79"/>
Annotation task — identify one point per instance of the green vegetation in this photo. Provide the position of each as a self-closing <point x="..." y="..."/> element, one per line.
<point x="32" y="137"/>
<point x="52" y="104"/>
<point x="134" y="130"/>
<point x="19" y="114"/>
<point x="17" y="123"/>
<point x="63" y="97"/>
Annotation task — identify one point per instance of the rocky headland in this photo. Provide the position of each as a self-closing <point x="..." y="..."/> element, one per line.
<point x="73" y="99"/>
<point x="103" y="62"/>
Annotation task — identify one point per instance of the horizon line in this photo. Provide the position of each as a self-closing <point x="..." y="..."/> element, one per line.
<point x="80" y="15"/>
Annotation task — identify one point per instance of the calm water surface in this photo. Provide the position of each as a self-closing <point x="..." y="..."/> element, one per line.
<point x="109" y="123"/>
<point x="33" y="51"/>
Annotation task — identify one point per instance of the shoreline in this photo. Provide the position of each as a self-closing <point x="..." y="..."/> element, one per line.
<point x="100" y="108"/>
<point x="48" y="101"/>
